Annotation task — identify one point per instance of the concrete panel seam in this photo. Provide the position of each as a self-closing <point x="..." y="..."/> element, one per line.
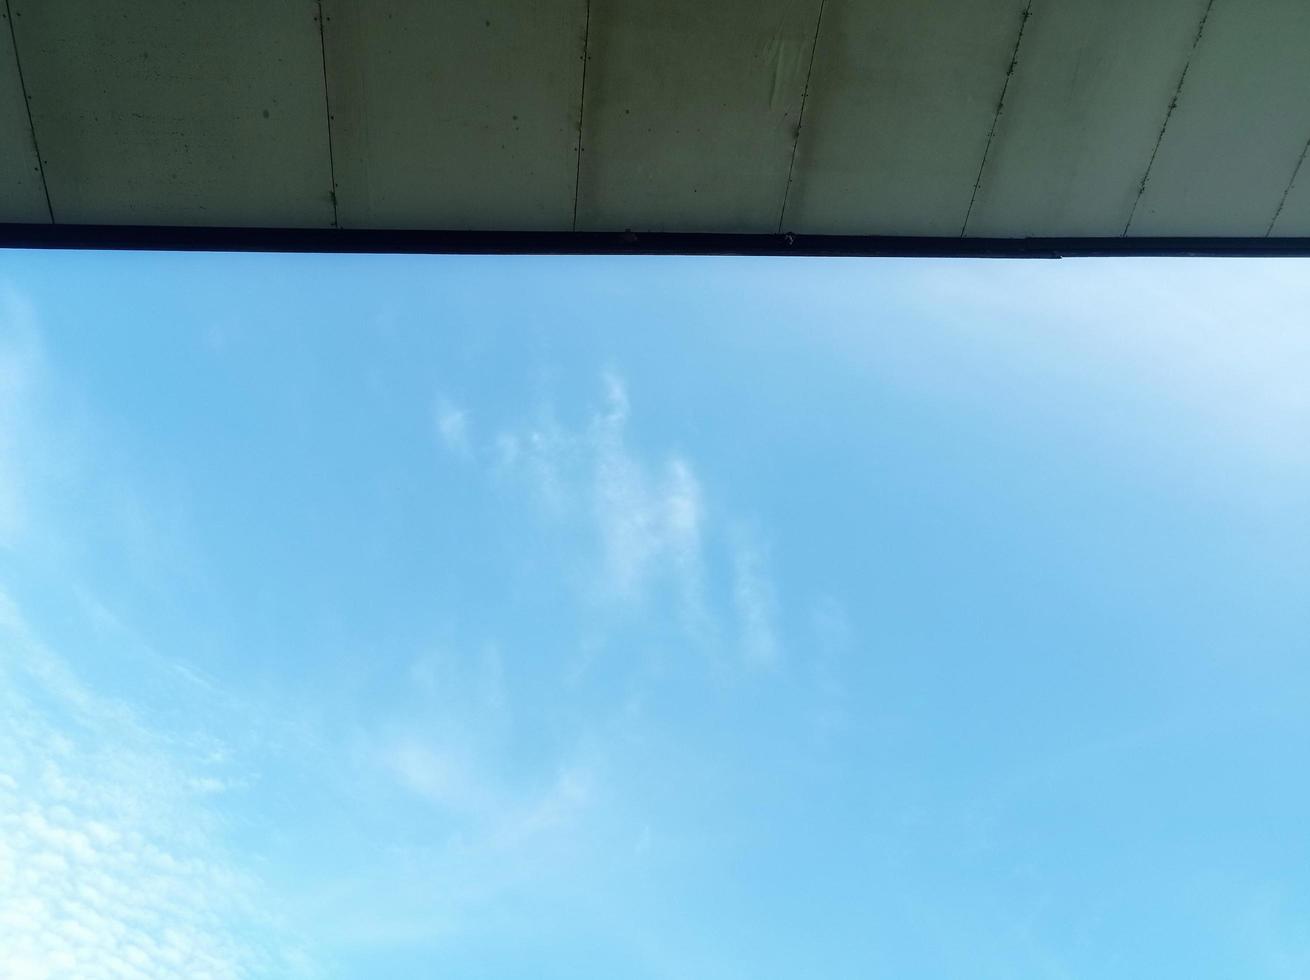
<point x="327" y="113"/>
<point x="1173" y="104"/>
<point x="1288" y="189"/>
<point x="996" y="116"/>
<point x="27" y="104"/>
<point x="800" y="116"/>
<point x="582" y="108"/>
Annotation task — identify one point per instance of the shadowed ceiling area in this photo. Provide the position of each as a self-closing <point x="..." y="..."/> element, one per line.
<point x="974" y="118"/>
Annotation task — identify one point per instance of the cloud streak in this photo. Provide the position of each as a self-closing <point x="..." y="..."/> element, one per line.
<point x="755" y="602"/>
<point x="452" y="425"/>
<point x="648" y="525"/>
<point x="110" y="864"/>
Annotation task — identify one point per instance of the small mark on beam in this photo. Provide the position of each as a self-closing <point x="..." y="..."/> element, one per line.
<point x="27" y="103"/>
<point x="996" y="117"/>
<point x="582" y="106"/>
<point x="327" y="113"/>
<point x="1288" y="189"/>
<point x="1173" y="104"/>
<point x="800" y="116"/>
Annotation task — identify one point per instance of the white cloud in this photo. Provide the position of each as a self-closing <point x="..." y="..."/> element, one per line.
<point x="497" y="837"/>
<point x="446" y="746"/>
<point x="645" y="519"/>
<point x="755" y="602"/>
<point x="452" y="427"/>
<point x="438" y="773"/>
<point x="1220" y="344"/>
<point x="463" y="782"/>
<point x="557" y="809"/>
<point x="109" y="861"/>
<point x="496" y="830"/>
<point x="645" y="523"/>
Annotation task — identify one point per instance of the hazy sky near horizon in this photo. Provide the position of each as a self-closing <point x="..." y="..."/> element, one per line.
<point x="545" y="617"/>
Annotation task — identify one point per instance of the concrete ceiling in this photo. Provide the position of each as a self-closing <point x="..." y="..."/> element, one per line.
<point x="990" y="118"/>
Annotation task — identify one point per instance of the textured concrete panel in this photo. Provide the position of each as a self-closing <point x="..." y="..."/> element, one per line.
<point x="179" y="111"/>
<point x="901" y="100"/>
<point x="455" y="115"/>
<point x="690" y="112"/>
<point x="1084" y="107"/>
<point x="1242" y="120"/>
<point x="22" y="197"/>
<point x="914" y="117"/>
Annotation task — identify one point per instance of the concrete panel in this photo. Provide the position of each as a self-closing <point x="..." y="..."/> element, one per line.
<point x="901" y="100"/>
<point x="22" y="197"/>
<point x="691" y="111"/>
<point x="1294" y="218"/>
<point x="1082" y="113"/>
<point x="455" y="115"/>
<point x="1242" y="119"/>
<point x="179" y="111"/>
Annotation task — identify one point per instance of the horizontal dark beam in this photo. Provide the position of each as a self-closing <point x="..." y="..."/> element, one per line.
<point x="169" y="238"/>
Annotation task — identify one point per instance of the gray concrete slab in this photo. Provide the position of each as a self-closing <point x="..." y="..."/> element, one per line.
<point x="1084" y="107"/>
<point x="22" y="197"/>
<point x="690" y="113"/>
<point x="177" y="112"/>
<point x="455" y="115"/>
<point x="1241" y="122"/>
<point x="467" y="115"/>
<point x="901" y="100"/>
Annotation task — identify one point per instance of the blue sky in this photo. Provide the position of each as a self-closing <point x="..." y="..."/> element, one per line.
<point x="653" y="618"/>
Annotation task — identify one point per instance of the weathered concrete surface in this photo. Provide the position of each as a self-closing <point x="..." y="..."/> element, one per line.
<point x="901" y="100"/>
<point x="1241" y="123"/>
<point x="691" y="112"/>
<point x="455" y="115"/>
<point x="178" y="111"/>
<point x="1089" y="94"/>
<point x="22" y="197"/>
<point x="1294" y="216"/>
<point x="998" y="118"/>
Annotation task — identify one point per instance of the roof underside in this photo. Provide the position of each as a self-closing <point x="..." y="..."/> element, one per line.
<point x="974" y="118"/>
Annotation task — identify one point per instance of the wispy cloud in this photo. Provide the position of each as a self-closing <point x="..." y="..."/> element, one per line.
<point x="446" y="745"/>
<point x="452" y="425"/>
<point x="110" y="864"/>
<point x="647" y="522"/>
<point x="1224" y="342"/>
<point x="438" y="773"/>
<point x="494" y="831"/>
<point x="20" y="365"/>
<point x="755" y="601"/>
<point x="66" y="497"/>
<point x="111" y="854"/>
<point x="645" y="519"/>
